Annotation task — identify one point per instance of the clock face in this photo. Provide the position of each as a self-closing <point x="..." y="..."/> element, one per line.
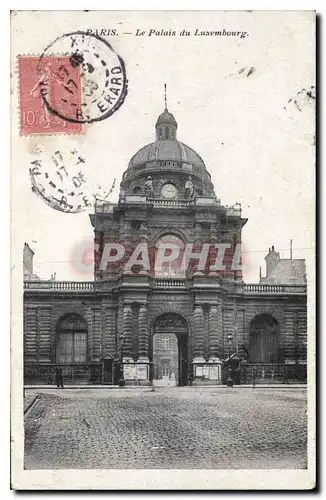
<point x="169" y="191"/>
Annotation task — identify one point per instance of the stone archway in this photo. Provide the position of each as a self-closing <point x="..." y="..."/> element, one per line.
<point x="172" y="353"/>
<point x="264" y="341"/>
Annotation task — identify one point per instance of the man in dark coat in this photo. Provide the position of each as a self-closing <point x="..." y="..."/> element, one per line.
<point x="58" y="377"/>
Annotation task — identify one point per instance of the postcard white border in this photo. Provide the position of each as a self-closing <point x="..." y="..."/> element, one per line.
<point x="150" y="479"/>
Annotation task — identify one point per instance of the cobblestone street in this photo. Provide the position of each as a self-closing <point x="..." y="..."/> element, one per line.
<point x="169" y="428"/>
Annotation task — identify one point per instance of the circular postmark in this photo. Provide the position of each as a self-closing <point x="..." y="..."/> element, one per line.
<point x="59" y="180"/>
<point x="89" y="85"/>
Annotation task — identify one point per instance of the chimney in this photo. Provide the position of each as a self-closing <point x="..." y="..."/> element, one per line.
<point x="271" y="259"/>
<point x="28" y="256"/>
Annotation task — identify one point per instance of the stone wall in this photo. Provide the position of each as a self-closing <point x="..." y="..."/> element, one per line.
<point x="211" y="316"/>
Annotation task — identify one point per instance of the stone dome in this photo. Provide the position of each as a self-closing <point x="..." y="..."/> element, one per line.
<point x="167" y="160"/>
<point x="167" y="150"/>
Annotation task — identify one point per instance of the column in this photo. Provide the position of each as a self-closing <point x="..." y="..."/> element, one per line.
<point x="127" y="331"/>
<point x="143" y="231"/>
<point x="198" y="335"/>
<point x="109" y="334"/>
<point x="143" y="332"/>
<point x="289" y="339"/>
<point x="213" y="233"/>
<point x="198" y="233"/>
<point x="143" y="365"/>
<point x="125" y="240"/>
<point x="213" y="332"/>
<point x="220" y="326"/>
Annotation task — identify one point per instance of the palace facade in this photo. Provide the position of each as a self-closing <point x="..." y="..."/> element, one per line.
<point x="159" y="318"/>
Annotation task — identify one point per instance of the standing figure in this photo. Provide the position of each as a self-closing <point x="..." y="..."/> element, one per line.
<point x="190" y="378"/>
<point x="189" y="188"/>
<point x="122" y="195"/>
<point x="58" y="377"/>
<point x="149" y="187"/>
<point x="42" y="82"/>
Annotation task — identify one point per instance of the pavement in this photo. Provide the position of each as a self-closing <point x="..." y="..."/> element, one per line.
<point x="28" y="388"/>
<point x="180" y="428"/>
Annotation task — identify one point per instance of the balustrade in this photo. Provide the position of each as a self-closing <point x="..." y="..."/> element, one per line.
<point x="170" y="283"/>
<point x="268" y="288"/>
<point x="58" y="285"/>
<point x="160" y="203"/>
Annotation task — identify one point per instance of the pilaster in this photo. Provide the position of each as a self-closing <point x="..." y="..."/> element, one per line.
<point x="127" y="331"/>
<point x="198" y="334"/>
<point x="213" y="332"/>
<point x="143" y="331"/>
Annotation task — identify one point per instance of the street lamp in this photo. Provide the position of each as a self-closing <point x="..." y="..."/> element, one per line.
<point x="121" y="376"/>
<point x="229" y="382"/>
<point x="151" y="375"/>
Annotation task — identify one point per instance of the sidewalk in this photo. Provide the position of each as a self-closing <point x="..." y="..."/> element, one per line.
<point x="146" y="387"/>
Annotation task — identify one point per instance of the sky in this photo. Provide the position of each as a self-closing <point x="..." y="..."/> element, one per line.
<point x="230" y="97"/>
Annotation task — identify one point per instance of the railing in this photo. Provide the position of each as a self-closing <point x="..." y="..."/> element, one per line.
<point x="266" y="373"/>
<point x="58" y="285"/>
<point x="157" y="203"/>
<point x="251" y="288"/>
<point x="44" y="374"/>
<point x="168" y="165"/>
<point x="257" y="288"/>
<point x="269" y="373"/>
<point x="170" y="283"/>
<point x="233" y="211"/>
<point x="265" y="288"/>
<point x="103" y="207"/>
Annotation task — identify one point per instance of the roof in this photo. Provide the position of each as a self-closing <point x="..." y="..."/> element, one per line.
<point x="287" y="271"/>
<point x="166" y="118"/>
<point x="27" y="248"/>
<point x="167" y="150"/>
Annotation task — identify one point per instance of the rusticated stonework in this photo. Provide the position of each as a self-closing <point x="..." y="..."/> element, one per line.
<point x="210" y="315"/>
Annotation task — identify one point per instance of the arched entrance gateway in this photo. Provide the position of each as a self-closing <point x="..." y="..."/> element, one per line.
<point x="169" y="350"/>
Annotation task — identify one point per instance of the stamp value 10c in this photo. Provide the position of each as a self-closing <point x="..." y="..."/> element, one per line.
<point x="50" y="77"/>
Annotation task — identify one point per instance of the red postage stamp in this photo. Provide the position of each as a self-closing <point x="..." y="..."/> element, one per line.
<point x="62" y="90"/>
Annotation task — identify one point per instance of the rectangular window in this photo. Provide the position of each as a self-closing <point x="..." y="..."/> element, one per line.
<point x="80" y="347"/>
<point x="72" y="348"/>
<point x="166" y="342"/>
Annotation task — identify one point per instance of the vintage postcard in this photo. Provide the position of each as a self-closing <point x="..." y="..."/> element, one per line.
<point x="163" y="243"/>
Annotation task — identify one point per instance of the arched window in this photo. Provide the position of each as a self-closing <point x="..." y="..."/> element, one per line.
<point x="71" y="340"/>
<point x="264" y="340"/>
<point x="167" y="267"/>
<point x="137" y="190"/>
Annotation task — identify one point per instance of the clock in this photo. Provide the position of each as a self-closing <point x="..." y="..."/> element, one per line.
<point x="169" y="191"/>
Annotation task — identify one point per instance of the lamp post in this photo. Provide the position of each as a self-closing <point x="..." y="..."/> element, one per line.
<point x="229" y="382"/>
<point x="121" y="376"/>
<point x="151" y="375"/>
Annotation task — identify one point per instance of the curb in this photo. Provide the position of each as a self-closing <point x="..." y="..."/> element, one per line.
<point x="74" y="387"/>
<point x="31" y="404"/>
<point x="145" y="387"/>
